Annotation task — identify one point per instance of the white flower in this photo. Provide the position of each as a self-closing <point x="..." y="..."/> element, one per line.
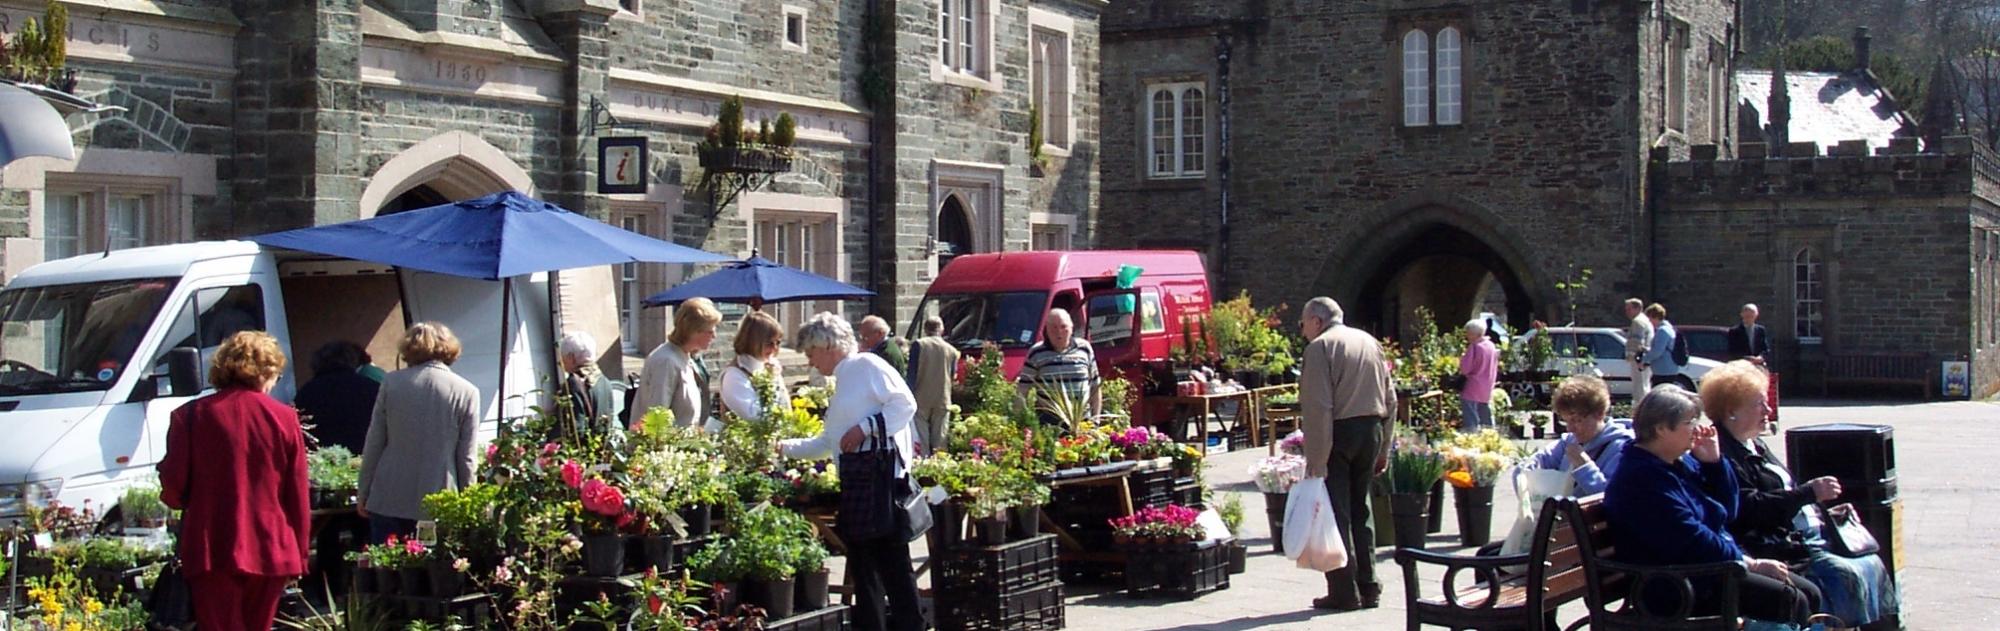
<point x="461" y="565"/>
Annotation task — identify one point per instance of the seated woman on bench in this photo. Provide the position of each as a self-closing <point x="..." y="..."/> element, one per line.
<point x="1778" y="517"/>
<point x="1594" y="446"/>
<point x="1666" y="509"/>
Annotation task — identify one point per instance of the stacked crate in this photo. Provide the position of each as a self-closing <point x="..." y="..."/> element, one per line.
<point x="1012" y="587"/>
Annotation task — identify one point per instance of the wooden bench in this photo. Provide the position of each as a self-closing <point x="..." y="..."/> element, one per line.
<point x="1893" y="369"/>
<point x="1567" y="562"/>
<point x="1610" y="586"/>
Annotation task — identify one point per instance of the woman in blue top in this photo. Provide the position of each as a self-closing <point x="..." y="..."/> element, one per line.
<point x="1592" y="449"/>
<point x="1668" y="509"/>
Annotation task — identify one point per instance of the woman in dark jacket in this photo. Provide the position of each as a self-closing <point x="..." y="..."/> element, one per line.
<point x="244" y="499"/>
<point x="339" y="399"/>
<point x="588" y="391"/>
<point x="1666" y="509"/>
<point x="1779" y="518"/>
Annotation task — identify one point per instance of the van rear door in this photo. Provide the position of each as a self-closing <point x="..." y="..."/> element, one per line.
<point x="1111" y="324"/>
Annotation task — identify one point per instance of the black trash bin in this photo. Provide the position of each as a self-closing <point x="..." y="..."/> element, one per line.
<point x="1863" y="458"/>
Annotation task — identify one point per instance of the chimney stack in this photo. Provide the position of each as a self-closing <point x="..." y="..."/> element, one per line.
<point x="1862" y="53"/>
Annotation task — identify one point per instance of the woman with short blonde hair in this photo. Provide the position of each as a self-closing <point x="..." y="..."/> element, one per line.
<point x="1593" y="446"/>
<point x="1778" y="516"/>
<point x="245" y="513"/>
<point x="674" y="376"/>
<point x="420" y="439"/>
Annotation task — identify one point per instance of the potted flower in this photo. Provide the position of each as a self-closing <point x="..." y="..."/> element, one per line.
<point x="716" y="565"/>
<point x="1172" y="525"/>
<point x="141" y="507"/>
<point x="467" y="525"/>
<point x="605" y="512"/>
<point x="1231" y="510"/>
<point x="764" y="541"/>
<point x="809" y="574"/>
<point x="1027" y="496"/>
<point x="1477" y="461"/>
<point x="1414" y="468"/>
<point x="335" y="475"/>
<point x="1275" y="476"/>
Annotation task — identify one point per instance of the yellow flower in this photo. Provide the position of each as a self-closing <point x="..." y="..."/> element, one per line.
<point x="52" y="608"/>
<point x="73" y="626"/>
<point x="92" y="607"/>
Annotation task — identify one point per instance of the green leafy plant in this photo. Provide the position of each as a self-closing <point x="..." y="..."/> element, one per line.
<point x="1414" y="466"/>
<point x="1231" y="509"/>
<point x="334" y="468"/>
<point x="786" y="133"/>
<point x="1572" y="287"/>
<point x="467" y="518"/>
<point x="141" y="504"/>
<point x="730" y="121"/>
<point x="1035" y="133"/>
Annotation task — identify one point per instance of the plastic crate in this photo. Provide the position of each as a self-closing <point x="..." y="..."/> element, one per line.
<point x="1187" y="492"/>
<point x="1183" y="571"/>
<point x="826" y="619"/>
<point x="1151" y="488"/>
<point x="1034" y="609"/>
<point x="1006" y="568"/>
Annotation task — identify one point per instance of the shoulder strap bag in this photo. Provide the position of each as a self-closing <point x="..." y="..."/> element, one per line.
<point x="172" y="599"/>
<point x="1845" y="535"/>
<point x="874" y="503"/>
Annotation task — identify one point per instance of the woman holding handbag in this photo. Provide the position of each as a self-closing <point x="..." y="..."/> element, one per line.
<point x="1780" y="518"/>
<point x="868" y="420"/>
<point x="245" y="513"/>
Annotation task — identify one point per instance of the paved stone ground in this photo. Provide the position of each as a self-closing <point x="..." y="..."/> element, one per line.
<point x="1952" y="554"/>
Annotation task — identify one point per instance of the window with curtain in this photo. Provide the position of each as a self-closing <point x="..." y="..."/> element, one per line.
<point x="1177" y="141"/>
<point x="1450" y="59"/>
<point x="1807" y="297"/>
<point x="1416" y="79"/>
<point x="82" y="219"/>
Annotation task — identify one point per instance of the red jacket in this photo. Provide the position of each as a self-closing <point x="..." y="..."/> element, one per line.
<point x="236" y="467"/>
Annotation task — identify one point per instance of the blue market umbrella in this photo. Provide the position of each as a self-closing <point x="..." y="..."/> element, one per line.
<point x="496" y="237"/>
<point x="758" y="281"/>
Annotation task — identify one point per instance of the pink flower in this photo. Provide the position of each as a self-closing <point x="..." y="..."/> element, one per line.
<point x="551" y="449"/>
<point x="492" y="449"/>
<point x="502" y="574"/>
<point x="572" y="474"/>
<point x="602" y="498"/>
<point x="979" y="444"/>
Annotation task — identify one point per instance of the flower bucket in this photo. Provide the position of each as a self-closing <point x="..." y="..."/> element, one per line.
<point x="1475" y="514"/>
<point x="809" y="591"/>
<point x="446" y="581"/>
<point x="1274" y="513"/>
<point x="774" y="596"/>
<point x="1410" y="512"/>
<point x="603" y="555"/>
<point x="1434" y="519"/>
<point x="1381" y="513"/>
<point x="698" y="519"/>
<point x="1025" y="521"/>
<point x="948" y="525"/>
<point x="1239" y="557"/>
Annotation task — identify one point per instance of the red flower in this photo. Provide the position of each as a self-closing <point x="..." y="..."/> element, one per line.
<point x="654" y="605"/>
<point x="572" y="474"/>
<point x="602" y="498"/>
<point x="550" y="449"/>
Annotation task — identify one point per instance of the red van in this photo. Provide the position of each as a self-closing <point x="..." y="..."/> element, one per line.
<point x="1001" y="298"/>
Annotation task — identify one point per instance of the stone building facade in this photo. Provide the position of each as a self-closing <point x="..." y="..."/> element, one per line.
<point x="1395" y="154"/>
<point x="1855" y="253"/>
<point x="250" y="116"/>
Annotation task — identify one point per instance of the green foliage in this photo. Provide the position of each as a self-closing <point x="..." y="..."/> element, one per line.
<point x="1572" y="287"/>
<point x="467" y="518"/>
<point x="1414" y="466"/>
<point x="1231" y="510"/>
<point x="1035" y="132"/>
<point x="1118" y="396"/>
<point x="730" y="121"/>
<point x="334" y="468"/>
<point x="765" y="543"/>
<point x="1247" y="338"/>
<point x="787" y="131"/>
<point x="985" y="390"/>
<point x="109" y="553"/>
<point x="142" y="502"/>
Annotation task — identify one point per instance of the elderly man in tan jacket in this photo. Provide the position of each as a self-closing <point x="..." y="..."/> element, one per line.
<point x="1346" y="397"/>
<point x="933" y="368"/>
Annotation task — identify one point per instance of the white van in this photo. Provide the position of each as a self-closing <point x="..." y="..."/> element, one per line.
<point x="97" y="350"/>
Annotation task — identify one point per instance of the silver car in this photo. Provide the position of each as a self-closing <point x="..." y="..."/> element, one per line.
<point x="1603" y="355"/>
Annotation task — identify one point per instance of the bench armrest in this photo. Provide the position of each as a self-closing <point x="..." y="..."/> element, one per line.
<point x="1681" y="578"/>
<point x="1485" y="569"/>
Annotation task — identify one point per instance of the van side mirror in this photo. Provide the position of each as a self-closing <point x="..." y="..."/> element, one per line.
<point x="184" y="372"/>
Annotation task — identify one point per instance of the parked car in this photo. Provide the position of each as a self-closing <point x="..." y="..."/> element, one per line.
<point x="1603" y="355"/>
<point x="1711" y="342"/>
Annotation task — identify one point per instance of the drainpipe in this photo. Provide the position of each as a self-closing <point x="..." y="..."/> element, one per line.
<point x="1222" y="52"/>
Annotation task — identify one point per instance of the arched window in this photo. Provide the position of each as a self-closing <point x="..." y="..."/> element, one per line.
<point x="1450" y="58"/>
<point x="1176" y="140"/>
<point x="954" y="232"/>
<point x="1808" y="296"/>
<point x="1416" y="79"/>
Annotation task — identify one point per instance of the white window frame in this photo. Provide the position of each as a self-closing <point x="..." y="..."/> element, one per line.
<point x="1059" y="229"/>
<point x="1449" y="77"/>
<point x="1180" y="167"/>
<point x="1808" y="297"/>
<point x="1719" y="118"/>
<point x="1676" y="75"/>
<point x="965" y="44"/>
<point x="160" y="221"/>
<point x="1052" y="77"/>
<point x="804" y="17"/>
<point x="1416" y="78"/>
<point x="794" y="218"/>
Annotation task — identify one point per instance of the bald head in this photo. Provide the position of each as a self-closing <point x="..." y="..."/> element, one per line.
<point x="872" y="331"/>
<point x="1320" y="314"/>
<point x="1058" y="329"/>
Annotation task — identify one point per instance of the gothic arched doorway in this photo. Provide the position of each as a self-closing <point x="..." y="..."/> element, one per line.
<point x="1455" y="274"/>
<point x="423" y="196"/>
<point x="954" y="233"/>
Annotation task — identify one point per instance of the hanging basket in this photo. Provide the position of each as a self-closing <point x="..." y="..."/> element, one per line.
<point x="745" y="159"/>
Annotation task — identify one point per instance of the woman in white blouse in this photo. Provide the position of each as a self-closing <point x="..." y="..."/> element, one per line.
<point x="757" y="342"/>
<point x="864" y="386"/>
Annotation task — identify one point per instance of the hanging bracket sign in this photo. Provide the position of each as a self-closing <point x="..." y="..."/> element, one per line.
<point x="622" y="165"/>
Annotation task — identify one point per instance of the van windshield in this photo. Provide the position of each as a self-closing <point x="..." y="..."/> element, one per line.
<point x="72" y="338"/>
<point x="973" y="320"/>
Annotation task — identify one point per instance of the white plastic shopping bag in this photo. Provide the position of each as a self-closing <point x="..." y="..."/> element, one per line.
<point x="1312" y="538"/>
<point x="1532" y="487"/>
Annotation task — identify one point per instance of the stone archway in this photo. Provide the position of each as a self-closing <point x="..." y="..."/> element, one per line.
<point x="954" y="237"/>
<point x="454" y="165"/>
<point x="1449" y="256"/>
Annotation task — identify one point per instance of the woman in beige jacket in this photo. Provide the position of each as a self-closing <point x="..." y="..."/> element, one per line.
<point x="674" y="376"/>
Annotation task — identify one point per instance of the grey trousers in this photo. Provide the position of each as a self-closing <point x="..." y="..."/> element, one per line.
<point x="1350" y="477"/>
<point x="933" y="430"/>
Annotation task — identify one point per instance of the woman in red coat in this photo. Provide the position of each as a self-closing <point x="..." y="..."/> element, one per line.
<point x="244" y="498"/>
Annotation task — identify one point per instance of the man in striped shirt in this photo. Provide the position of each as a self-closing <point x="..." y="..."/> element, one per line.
<point x="1061" y="366"/>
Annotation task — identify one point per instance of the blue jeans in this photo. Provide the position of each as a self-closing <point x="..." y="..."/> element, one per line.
<point x="1474" y="415"/>
<point x="381" y="526"/>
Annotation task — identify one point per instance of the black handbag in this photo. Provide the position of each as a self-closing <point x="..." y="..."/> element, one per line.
<point x="171" y="602"/>
<point x="1845" y="535"/>
<point x="874" y="503"/>
<point x="1454" y="383"/>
